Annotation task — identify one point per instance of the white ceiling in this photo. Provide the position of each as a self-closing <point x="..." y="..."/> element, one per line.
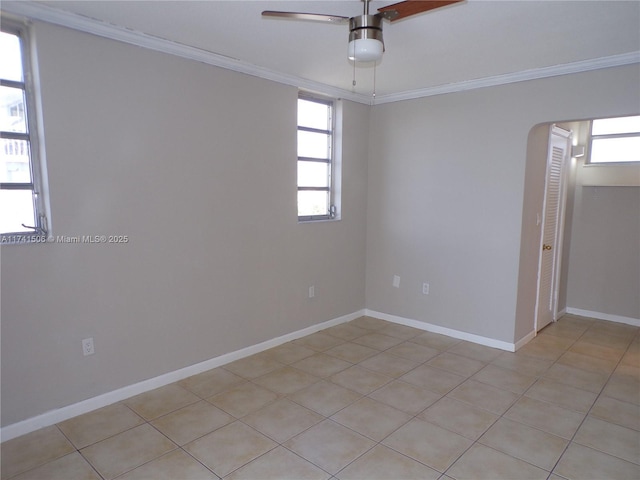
<point x="476" y="39"/>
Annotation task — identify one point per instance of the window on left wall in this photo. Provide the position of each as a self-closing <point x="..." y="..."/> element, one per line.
<point x="22" y="209"/>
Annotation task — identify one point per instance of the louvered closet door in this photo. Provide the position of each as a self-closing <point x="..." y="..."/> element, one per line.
<point x="559" y="143"/>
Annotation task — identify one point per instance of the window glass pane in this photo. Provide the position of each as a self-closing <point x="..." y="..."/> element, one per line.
<point x="313" y="174"/>
<point x="14" y="161"/>
<point x="10" y="57"/>
<point x="608" y="126"/>
<point x="313" y="203"/>
<point x="313" y="145"/>
<point x="313" y="115"/>
<point x="16" y="208"/>
<point x="12" y="110"/>
<point x="608" y="150"/>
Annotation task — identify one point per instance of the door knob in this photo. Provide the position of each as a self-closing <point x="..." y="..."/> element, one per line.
<point x="546" y="247"/>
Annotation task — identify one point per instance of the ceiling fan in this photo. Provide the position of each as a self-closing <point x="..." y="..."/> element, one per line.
<point x="365" y="31"/>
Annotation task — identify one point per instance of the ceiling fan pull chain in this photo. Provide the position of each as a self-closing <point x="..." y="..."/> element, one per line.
<point x="354" y="74"/>
<point x="375" y="66"/>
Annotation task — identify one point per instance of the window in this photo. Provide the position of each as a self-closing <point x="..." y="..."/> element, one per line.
<point x="315" y="158"/>
<point x="21" y="204"/>
<point x="615" y="140"/>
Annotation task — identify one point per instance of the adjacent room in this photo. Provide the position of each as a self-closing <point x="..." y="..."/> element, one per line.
<point x="346" y="242"/>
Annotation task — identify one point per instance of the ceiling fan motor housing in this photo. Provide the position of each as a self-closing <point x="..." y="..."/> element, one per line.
<point x="365" y="38"/>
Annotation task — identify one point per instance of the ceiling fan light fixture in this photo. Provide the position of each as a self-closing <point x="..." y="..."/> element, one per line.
<point x="365" y="38"/>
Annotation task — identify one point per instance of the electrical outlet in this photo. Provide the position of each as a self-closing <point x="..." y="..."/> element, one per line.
<point x="312" y="291"/>
<point x="87" y="346"/>
<point x="425" y="289"/>
<point x="396" y="281"/>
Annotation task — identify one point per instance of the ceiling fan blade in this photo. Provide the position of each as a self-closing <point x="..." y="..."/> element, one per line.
<point x="401" y="10"/>
<point x="311" y="17"/>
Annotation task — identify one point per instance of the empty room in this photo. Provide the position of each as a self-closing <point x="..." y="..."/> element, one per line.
<point x="320" y="239"/>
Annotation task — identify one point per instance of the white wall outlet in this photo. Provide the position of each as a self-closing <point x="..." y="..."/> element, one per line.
<point x="312" y="291"/>
<point x="87" y="346"/>
<point x="396" y="281"/>
<point x="425" y="289"/>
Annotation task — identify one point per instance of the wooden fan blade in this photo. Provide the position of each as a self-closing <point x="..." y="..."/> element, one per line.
<point x="401" y="10"/>
<point x="311" y="17"/>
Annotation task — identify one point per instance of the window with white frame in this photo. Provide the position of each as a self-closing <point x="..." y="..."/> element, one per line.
<point x="22" y="215"/>
<point x="316" y="125"/>
<point x="615" y="140"/>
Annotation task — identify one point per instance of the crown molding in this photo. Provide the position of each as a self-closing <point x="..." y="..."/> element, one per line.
<point x="523" y="76"/>
<point x="32" y="11"/>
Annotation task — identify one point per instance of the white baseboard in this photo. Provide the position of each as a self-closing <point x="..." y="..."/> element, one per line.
<point x="604" y="316"/>
<point x="470" y="337"/>
<point x="61" y="414"/>
<point x="524" y="340"/>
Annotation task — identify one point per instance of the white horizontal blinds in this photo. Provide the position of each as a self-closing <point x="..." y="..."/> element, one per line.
<point x="315" y="156"/>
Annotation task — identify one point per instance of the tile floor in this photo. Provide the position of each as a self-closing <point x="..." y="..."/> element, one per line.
<point x="371" y="400"/>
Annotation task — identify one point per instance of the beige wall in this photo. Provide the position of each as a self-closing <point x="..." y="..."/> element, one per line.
<point x="446" y="189"/>
<point x="196" y="165"/>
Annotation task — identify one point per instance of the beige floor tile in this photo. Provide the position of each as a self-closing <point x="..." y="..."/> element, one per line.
<point x="434" y="379"/>
<point x="427" y="443"/>
<point x="127" y="450"/>
<point x="413" y="351"/>
<point x="631" y="357"/>
<point x="325" y="397"/>
<point x="172" y="466"/>
<point x="321" y="365"/>
<point x="346" y="331"/>
<point x="566" y="330"/>
<point x="526" y="443"/>
<point x="540" y="352"/>
<point x="229" y="448"/>
<point x="377" y="341"/>
<point x="598" y="351"/>
<point x="329" y="445"/>
<point x="390" y="365"/>
<point x="576" y="377"/>
<point x="522" y="364"/>
<point x="481" y="462"/>
<point x="405" y="396"/>
<point x="69" y="467"/>
<point x="369" y="323"/>
<point x="624" y="385"/>
<point x="605" y="339"/>
<point x="253" y="366"/>
<point x="613" y="328"/>
<point x="32" y="450"/>
<point x="243" y="399"/>
<point x="504" y="378"/>
<point x="382" y="463"/>
<point x="475" y="351"/>
<point x="457" y="364"/>
<point x="211" y="382"/>
<point x="586" y="362"/>
<point x="582" y="463"/>
<point x="163" y="400"/>
<point x="435" y="340"/>
<point x="618" y="412"/>
<point x="609" y="438"/>
<point x="286" y="380"/>
<point x="459" y="417"/>
<point x="103" y="423"/>
<point x="352" y="352"/>
<point x="403" y="332"/>
<point x="371" y="418"/>
<point x="563" y="395"/>
<point x="280" y="464"/>
<point x="282" y="420"/>
<point x="319" y="341"/>
<point x="484" y="396"/>
<point x="290" y="352"/>
<point x="552" y="341"/>
<point x="360" y="379"/>
<point x="191" y="422"/>
<point x="546" y="416"/>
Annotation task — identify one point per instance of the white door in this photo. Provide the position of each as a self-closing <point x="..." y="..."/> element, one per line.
<point x="552" y="226"/>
